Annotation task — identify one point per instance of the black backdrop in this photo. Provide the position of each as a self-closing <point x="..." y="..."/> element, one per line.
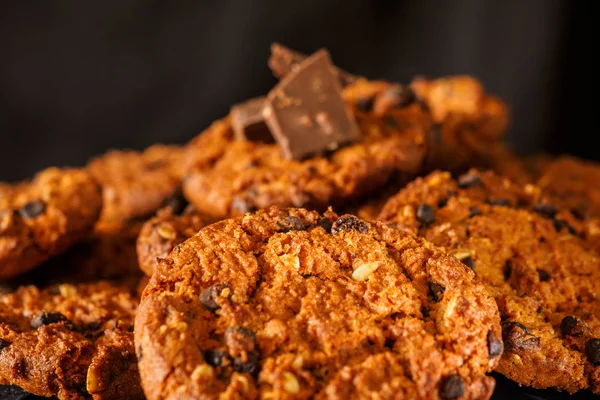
<point x="80" y="77"/>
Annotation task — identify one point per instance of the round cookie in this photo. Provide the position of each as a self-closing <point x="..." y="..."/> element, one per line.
<point x="107" y="254"/>
<point x="70" y="341"/>
<point x="297" y="304"/>
<point x="573" y="184"/>
<point x="135" y="184"/>
<point x="230" y="177"/>
<point x="159" y="235"/>
<point x="544" y="281"/>
<point x="467" y="120"/>
<point x="42" y="218"/>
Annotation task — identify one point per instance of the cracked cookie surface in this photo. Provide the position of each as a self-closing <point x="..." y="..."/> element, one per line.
<point x="545" y="282"/>
<point x="159" y="235"/>
<point x="70" y="341"/>
<point x="288" y="303"/>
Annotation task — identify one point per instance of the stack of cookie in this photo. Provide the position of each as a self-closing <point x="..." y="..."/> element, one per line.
<point x="337" y="238"/>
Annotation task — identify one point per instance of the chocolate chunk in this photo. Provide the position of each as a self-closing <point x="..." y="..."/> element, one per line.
<point x="437" y="291"/>
<point x="33" y="209"/>
<point x="544" y="276"/>
<point x="507" y="270"/>
<point x="559" y="224"/>
<point x="545" y="210"/>
<point x="209" y="296"/>
<point x="347" y="223"/>
<point x="500" y="202"/>
<point x="468" y="180"/>
<point x="284" y="60"/>
<point x="474" y="211"/>
<point x="365" y="104"/>
<point x="291" y="223"/>
<point x="592" y="351"/>
<point x="248" y="121"/>
<point x="216" y="358"/>
<point x="452" y="387"/>
<point x="494" y="345"/>
<point x="3" y="343"/>
<point x="578" y="213"/>
<point x="469" y="262"/>
<point x="395" y="96"/>
<point x="47" y="318"/>
<point x="306" y="113"/>
<point x="325" y="224"/>
<point x="425" y="214"/>
<point x="571" y="326"/>
<point x="251" y="365"/>
<point x="176" y="202"/>
<point x="238" y="339"/>
<point x="516" y="336"/>
<point x="390" y="121"/>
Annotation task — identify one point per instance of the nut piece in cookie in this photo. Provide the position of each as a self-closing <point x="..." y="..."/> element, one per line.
<point x="70" y="341"/>
<point x="288" y="302"/>
<point x="159" y="235"/>
<point x="545" y="281"/>
<point x="43" y="218"/>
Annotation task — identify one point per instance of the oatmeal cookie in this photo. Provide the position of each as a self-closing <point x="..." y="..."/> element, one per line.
<point x="70" y="341"/>
<point x="231" y="176"/>
<point x="135" y="184"/>
<point x="43" y="218"/>
<point x="296" y="304"/>
<point x="159" y="235"/>
<point x="573" y="184"/>
<point x="545" y="282"/>
<point x="467" y="120"/>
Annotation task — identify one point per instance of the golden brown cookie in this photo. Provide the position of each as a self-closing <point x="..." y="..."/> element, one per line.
<point x="545" y="282"/>
<point x="573" y="184"/>
<point x="70" y="341"/>
<point x="292" y="303"/>
<point x="234" y="176"/>
<point x="159" y="235"/>
<point x="135" y="184"/>
<point x="467" y="120"/>
<point x="43" y="218"/>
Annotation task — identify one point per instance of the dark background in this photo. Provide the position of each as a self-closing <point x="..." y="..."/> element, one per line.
<point x="80" y="77"/>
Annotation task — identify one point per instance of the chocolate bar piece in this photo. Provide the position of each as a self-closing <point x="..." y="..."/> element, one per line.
<point x="248" y="121"/>
<point x="284" y="60"/>
<point x="305" y="112"/>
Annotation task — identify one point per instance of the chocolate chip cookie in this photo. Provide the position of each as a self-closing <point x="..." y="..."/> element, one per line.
<point x="293" y="303"/>
<point x="232" y="176"/>
<point x="135" y="184"/>
<point x="467" y="120"/>
<point x="70" y="341"/>
<point x="545" y="282"/>
<point x="42" y="218"/>
<point x="159" y="235"/>
<point x="574" y="184"/>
